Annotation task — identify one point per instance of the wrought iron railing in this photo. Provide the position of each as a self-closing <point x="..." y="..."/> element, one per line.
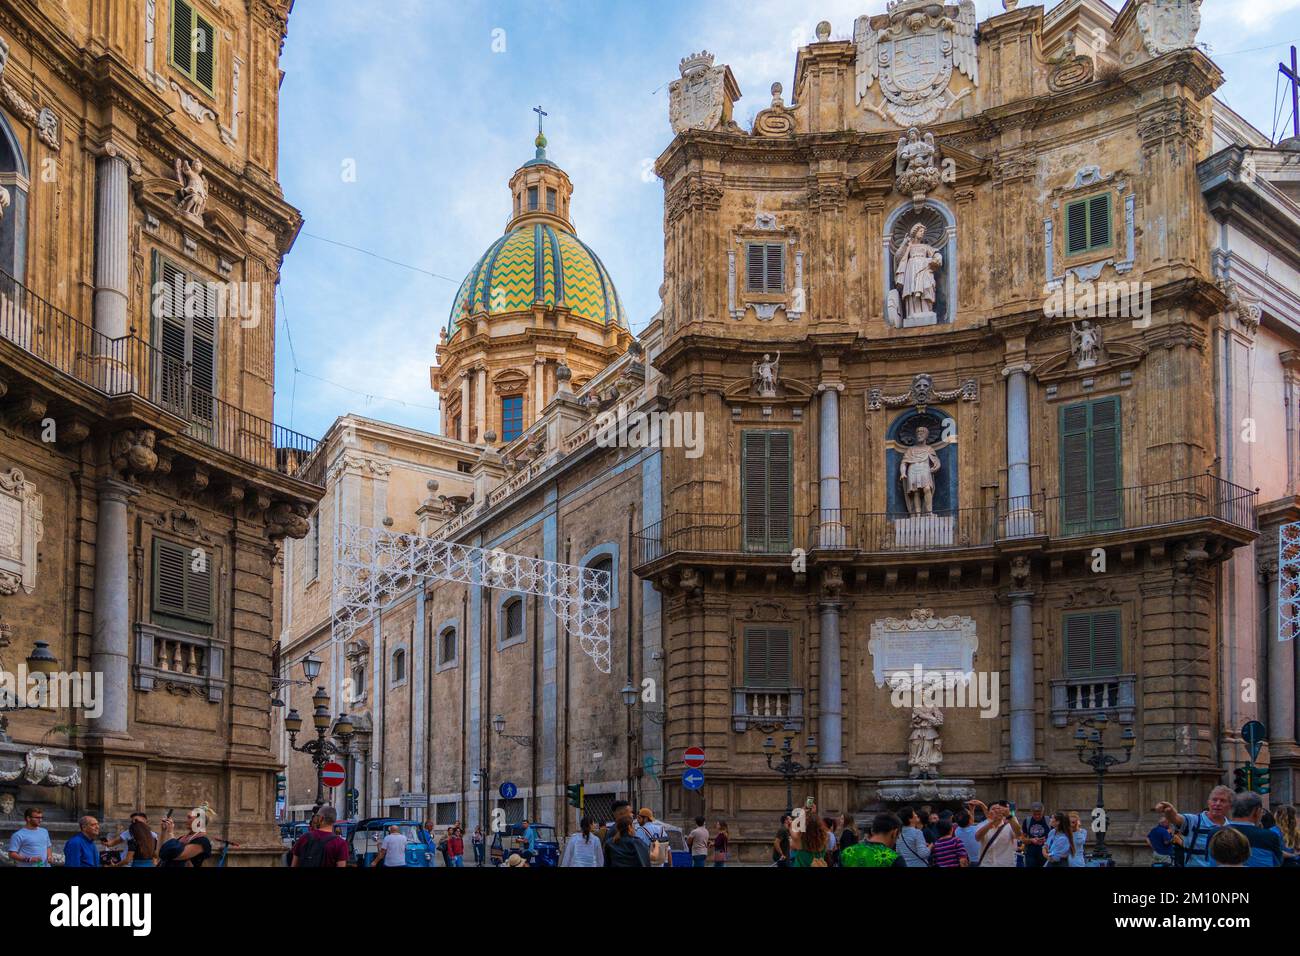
<point x="1196" y="498"/>
<point x="131" y="366"/>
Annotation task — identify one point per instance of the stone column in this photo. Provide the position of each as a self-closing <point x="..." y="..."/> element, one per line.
<point x="831" y="527"/>
<point x="539" y="388"/>
<point x="112" y="221"/>
<point x="419" y="684"/>
<point x="1020" y="517"/>
<point x="831" y="723"/>
<point x="464" y="408"/>
<point x="1022" y="678"/>
<point x="111" y="646"/>
<point x="480" y="402"/>
<point x="1281" y="686"/>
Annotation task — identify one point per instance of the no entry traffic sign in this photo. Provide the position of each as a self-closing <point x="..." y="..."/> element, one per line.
<point x="694" y="757"/>
<point x="333" y="775"/>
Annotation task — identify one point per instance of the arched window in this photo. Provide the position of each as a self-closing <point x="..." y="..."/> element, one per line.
<point x="512" y="622"/>
<point x="605" y="558"/>
<point x="397" y="672"/>
<point x="447" y="646"/>
<point x="13" y="226"/>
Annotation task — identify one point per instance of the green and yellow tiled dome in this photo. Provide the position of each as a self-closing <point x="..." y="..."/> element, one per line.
<point x="519" y="270"/>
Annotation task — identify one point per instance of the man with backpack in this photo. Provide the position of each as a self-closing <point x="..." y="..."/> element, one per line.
<point x="321" y="846"/>
<point x="1197" y="830"/>
<point x="652" y="833"/>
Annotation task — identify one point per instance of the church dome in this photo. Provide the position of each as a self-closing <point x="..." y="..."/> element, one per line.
<point x="538" y="263"/>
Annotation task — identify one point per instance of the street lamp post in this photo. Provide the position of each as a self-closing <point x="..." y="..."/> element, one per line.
<point x="631" y="697"/>
<point x="1092" y="751"/>
<point x="480" y="780"/>
<point x="789" y="768"/>
<point x="40" y="661"/>
<point x="499" y="725"/>
<point x="320" y="750"/>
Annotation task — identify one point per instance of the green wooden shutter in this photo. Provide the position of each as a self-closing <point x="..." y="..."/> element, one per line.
<point x="755" y="656"/>
<point x="755" y="267"/>
<point x="775" y="281"/>
<point x="1091" y="467"/>
<point x="1092" y="644"/>
<point x="183" y="36"/>
<point x="204" y="39"/>
<point x="767" y="657"/>
<point x="203" y="351"/>
<point x="1099" y="222"/>
<point x="1076" y="227"/>
<point x="767" y="492"/>
<point x="179" y="589"/>
<point x="1106" y="465"/>
<point x="1074" y="467"/>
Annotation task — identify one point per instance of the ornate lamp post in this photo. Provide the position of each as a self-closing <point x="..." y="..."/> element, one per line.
<point x="1092" y="751"/>
<point x="320" y="749"/>
<point x="789" y="768"/>
<point x="40" y="661"/>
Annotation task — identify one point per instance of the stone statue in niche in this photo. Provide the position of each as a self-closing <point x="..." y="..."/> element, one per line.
<point x="915" y="264"/>
<point x="766" y="374"/>
<point x="1085" y="344"/>
<point x="919" y="465"/>
<point x="194" y="188"/>
<point x="926" y="746"/>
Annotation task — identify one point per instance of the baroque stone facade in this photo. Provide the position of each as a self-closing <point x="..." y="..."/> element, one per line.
<point x="153" y="490"/>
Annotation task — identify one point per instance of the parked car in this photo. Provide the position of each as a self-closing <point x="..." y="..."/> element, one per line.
<point x="365" y="839"/>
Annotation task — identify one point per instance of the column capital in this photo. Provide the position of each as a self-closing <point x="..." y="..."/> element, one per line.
<point x="111" y="489"/>
<point x="1015" y="368"/>
<point x="831" y="386"/>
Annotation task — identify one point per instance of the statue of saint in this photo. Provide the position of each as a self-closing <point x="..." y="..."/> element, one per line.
<point x="915" y="264"/>
<point x="766" y="374"/>
<point x="926" y="746"/>
<point x="194" y="188"/>
<point x="915" y="153"/>
<point x="1085" y="342"/>
<point x="920" y="462"/>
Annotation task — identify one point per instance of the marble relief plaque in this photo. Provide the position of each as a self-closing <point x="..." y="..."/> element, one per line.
<point x="21" y="529"/>
<point x="937" y="645"/>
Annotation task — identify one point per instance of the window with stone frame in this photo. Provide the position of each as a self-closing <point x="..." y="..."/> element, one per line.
<point x="182" y="597"/>
<point x="767" y="490"/>
<point x="1091" y="467"/>
<point x="358" y="682"/>
<point x="512" y="622"/>
<point x="766" y="657"/>
<point x="447" y="649"/>
<point x="765" y="267"/>
<point x="1089" y="224"/>
<point x="397" y="667"/>
<point x="515" y="809"/>
<point x="1092" y="644"/>
<point x="193" y="48"/>
<point x="185" y="310"/>
<point x="512" y="417"/>
<point x="445" y="814"/>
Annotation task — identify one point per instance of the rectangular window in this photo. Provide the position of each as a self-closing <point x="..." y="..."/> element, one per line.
<point x="512" y="622"/>
<point x="512" y="417"/>
<point x="532" y="198"/>
<point x="767" y="657"/>
<point x="1088" y="224"/>
<point x="185" y="335"/>
<point x="1092" y="644"/>
<point x="765" y="267"/>
<point x="1091" y="467"/>
<point x="447" y="646"/>
<point x="767" y="490"/>
<point x="182" y="587"/>
<point x="465" y="467"/>
<point x="514" y="809"/>
<point x="550" y="200"/>
<point x="194" y="45"/>
<point x="446" y="814"/>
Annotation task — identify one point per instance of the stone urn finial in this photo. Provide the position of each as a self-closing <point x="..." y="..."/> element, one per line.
<point x="823" y="31"/>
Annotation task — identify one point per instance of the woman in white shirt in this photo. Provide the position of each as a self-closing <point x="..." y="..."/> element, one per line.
<point x="583" y="848"/>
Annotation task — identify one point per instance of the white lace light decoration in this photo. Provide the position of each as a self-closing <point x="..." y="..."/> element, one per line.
<point x="371" y="566"/>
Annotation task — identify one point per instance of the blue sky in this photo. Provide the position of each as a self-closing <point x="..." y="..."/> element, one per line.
<point x="399" y="132"/>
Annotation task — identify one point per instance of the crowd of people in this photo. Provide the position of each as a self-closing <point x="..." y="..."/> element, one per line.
<point x="138" y="845"/>
<point x="1234" y="830"/>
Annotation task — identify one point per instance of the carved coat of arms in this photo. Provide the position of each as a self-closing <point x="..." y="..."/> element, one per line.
<point x="1169" y="25"/>
<point x="913" y="49"/>
<point x="702" y="98"/>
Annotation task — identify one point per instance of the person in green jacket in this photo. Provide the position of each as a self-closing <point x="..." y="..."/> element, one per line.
<point x="878" y="850"/>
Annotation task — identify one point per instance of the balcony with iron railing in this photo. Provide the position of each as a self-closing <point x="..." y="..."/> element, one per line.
<point x="131" y="366"/>
<point x="1201" y="500"/>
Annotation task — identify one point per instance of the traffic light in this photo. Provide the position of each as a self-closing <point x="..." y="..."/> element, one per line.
<point x="577" y="796"/>
<point x="1260" y="781"/>
<point x="281" y="786"/>
<point x="1241" y="779"/>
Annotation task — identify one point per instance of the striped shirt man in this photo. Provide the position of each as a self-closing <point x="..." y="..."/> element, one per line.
<point x="948" y="851"/>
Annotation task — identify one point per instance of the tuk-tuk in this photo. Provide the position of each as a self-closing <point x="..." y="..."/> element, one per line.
<point x="366" y="838"/>
<point x="291" y="831"/>
<point x="514" y="842"/>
